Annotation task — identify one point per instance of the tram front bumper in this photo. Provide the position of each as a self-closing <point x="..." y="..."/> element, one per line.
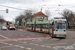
<point x="60" y="36"/>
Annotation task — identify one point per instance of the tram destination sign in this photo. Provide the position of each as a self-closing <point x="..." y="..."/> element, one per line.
<point x="60" y="21"/>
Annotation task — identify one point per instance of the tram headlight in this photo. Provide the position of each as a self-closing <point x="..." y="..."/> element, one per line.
<point x="56" y="30"/>
<point x="64" y="30"/>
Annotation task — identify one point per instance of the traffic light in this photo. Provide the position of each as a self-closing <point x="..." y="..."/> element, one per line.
<point x="6" y="10"/>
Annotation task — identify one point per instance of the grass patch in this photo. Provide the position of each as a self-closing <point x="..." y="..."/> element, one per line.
<point x="72" y="30"/>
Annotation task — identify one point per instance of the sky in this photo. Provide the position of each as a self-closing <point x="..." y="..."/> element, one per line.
<point x="51" y="5"/>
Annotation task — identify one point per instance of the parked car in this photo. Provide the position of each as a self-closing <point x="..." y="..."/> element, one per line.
<point x="3" y="28"/>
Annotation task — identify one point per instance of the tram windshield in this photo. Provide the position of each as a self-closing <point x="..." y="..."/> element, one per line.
<point x="60" y="25"/>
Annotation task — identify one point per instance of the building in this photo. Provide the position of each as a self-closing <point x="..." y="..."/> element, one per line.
<point x="39" y="16"/>
<point x="2" y="22"/>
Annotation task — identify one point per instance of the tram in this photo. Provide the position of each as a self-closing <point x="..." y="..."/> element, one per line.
<point x="55" y="27"/>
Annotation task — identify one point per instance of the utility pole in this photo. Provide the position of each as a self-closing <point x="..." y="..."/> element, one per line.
<point x="23" y="22"/>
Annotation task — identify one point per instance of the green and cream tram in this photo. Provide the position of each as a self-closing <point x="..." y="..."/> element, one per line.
<point x="55" y="27"/>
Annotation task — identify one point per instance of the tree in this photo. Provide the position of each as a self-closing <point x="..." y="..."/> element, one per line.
<point x="25" y="14"/>
<point x="19" y="18"/>
<point x="69" y="15"/>
<point x="28" y="13"/>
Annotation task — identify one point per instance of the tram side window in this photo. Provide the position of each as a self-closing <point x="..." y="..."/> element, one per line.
<point x="30" y="25"/>
<point x="38" y="26"/>
<point x="33" y="25"/>
<point x="51" y="25"/>
<point x="45" y="26"/>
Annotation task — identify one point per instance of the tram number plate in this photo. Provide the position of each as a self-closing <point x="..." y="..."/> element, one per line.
<point x="60" y="30"/>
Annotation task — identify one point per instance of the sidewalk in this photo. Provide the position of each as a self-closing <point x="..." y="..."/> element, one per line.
<point x="21" y="29"/>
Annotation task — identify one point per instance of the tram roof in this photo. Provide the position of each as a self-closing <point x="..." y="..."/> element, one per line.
<point x="30" y="22"/>
<point x="48" y="21"/>
<point x="41" y="22"/>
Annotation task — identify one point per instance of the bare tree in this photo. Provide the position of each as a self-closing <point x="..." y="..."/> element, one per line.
<point x="68" y="14"/>
<point x="19" y="18"/>
<point x="24" y="15"/>
<point x="28" y="13"/>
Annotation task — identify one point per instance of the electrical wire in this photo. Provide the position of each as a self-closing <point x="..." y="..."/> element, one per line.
<point x="57" y="3"/>
<point x="12" y="7"/>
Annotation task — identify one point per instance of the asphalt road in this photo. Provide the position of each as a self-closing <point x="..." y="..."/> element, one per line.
<point x="25" y="40"/>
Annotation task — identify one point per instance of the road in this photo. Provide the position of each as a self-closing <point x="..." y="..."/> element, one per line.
<point x="25" y="40"/>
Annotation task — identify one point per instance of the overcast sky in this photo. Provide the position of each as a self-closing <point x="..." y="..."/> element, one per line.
<point x="51" y="5"/>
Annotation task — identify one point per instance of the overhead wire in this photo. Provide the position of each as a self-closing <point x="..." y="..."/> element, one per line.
<point x="12" y="7"/>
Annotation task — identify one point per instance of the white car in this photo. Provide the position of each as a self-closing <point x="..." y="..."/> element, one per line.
<point x="3" y="28"/>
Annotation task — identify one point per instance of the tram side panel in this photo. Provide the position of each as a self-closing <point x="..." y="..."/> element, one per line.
<point x="45" y="28"/>
<point x="28" y="27"/>
<point x="37" y="28"/>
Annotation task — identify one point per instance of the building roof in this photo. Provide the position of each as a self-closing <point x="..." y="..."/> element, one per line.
<point x="39" y="14"/>
<point x="2" y="20"/>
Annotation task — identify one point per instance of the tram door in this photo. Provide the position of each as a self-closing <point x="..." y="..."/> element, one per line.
<point x="41" y="27"/>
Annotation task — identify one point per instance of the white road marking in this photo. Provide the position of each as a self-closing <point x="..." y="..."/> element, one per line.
<point x="10" y="44"/>
<point x="1" y="42"/>
<point x="16" y="45"/>
<point x="36" y="44"/>
<point x="5" y="43"/>
<point x="55" y="48"/>
<point x="4" y="37"/>
<point x="33" y="40"/>
<point x="31" y="43"/>
<point x="48" y="46"/>
<point x="21" y="47"/>
<point x="33" y="49"/>
<point x="56" y="44"/>
<point x="42" y="45"/>
<point x="24" y="42"/>
<point x="29" y="48"/>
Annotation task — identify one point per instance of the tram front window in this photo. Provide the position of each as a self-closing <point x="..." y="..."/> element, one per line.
<point x="60" y="26"/>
